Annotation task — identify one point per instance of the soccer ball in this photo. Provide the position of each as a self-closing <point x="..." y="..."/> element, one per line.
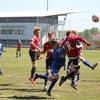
<point x="95" y="18"/>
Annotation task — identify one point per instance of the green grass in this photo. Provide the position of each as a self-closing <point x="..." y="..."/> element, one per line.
<point x="14" y="84"/>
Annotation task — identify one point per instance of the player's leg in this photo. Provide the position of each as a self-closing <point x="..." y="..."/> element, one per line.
<point x="33" y="56"/>
<point x="48" y="64"/>
<point x="55" y="68"/>
<point x="87" y="63"/>
<point x="76" y="65"/>
<point x="64" y="78"/>
<point x="45" y="77"/>
<point x="51" y="87"/>
<point x="17" y="53"/>
<point x="54" y="80"/>
<point x="69" y="74"/>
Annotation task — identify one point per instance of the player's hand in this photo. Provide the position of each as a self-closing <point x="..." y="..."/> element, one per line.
<point x="88" y="44"/>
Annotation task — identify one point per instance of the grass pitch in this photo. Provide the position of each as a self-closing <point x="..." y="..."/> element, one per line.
<point x="14" y="84"/>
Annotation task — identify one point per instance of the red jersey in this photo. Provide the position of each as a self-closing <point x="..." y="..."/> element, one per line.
<point x="70" y="44"/>
<point x="34" y="44"/>
<point x="48" y="48"/>
<point x="19" y="45"/>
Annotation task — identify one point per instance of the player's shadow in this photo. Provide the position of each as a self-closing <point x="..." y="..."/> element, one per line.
<point x="28" y="97"/>
<point x="7" y="84"/>
<point x="90" y="81"/>
<point x="23" y="90"/>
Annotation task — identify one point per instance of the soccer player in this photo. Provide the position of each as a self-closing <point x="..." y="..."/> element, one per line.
<point x="33" y="51"/>
<point x="58" y="62"/>
<point x="73" y="55"/>
<point x="1" y="50"/>
<point x="48" y="49"/>
<point x="19" y="46"/>
<point x="79" y="46"/>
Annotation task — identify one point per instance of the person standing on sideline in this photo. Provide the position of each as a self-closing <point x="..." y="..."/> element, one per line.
<point x="19" y="46"/>
<point x="33" y="51"/>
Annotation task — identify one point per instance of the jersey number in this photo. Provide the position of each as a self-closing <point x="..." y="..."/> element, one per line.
<point x="68" y="45"/>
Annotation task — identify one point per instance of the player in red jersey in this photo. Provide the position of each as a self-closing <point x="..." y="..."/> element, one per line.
<point x="48" y="49"/>
<point x="79" y="46"/>
<point x="19" y="46"/>
<point x="33" y="51"/>
<point x="73" y="54"/>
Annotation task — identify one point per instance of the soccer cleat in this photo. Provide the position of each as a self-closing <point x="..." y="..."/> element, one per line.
<point x="61" y="80"/>
<point x="32" y="81"/>
<point x="94" y="66"/>
<point x="36" y="76"/>
<point x="48" y="93"/>
<point x="45" y="89"/>
<point x="73" y="86"/>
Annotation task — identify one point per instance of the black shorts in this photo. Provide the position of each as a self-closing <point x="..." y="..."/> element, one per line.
<point x="48" y="63"/>
<point x="33" y="55"/>
<point x="75" y="61"/>
<point x="18" y="49"/>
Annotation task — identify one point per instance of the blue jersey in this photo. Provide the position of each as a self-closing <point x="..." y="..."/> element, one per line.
<point x="58" y="62"/>
<point x="1" y="47"/>
<point x="57" y="53"/>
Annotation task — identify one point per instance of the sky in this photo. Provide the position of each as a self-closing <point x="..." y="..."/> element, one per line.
<point x="77" y="21"/>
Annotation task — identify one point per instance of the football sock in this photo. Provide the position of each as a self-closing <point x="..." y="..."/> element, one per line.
<point x="77" y="78"/>
<point x="45" y="81"/>
<point x="52" y="85"/>
<point x="43" y="76"/>
<point x="87" y="63"/>
<point x="33" y="70"/>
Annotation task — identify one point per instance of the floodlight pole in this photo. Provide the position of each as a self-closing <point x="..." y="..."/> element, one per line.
<point x="46" y="17"/>
<point x="47" y="6"/>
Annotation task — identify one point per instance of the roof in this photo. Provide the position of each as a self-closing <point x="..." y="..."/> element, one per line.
<point x="34" y="14"/>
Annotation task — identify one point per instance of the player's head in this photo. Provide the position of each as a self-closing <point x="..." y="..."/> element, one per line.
<point x="36" y="31"/>
<point x="68" y="33"/>
<point x="51" y="36"/>
<point x="73" y="32"/>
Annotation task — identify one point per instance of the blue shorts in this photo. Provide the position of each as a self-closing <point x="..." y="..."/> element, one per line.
<point x="55" y="67"/>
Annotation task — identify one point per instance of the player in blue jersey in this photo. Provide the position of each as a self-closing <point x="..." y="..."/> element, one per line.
<point x="1" y="50"/>
<point x="58" y="62"/>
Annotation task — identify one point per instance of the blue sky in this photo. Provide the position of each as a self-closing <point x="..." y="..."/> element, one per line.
<point x="79" y="21"/>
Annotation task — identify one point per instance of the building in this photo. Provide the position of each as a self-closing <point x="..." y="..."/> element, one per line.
<point x="19" y="25"/>
<point x="15" y="26"/>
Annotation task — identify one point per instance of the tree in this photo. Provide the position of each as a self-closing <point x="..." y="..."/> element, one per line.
<point x="94" y="31"/>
